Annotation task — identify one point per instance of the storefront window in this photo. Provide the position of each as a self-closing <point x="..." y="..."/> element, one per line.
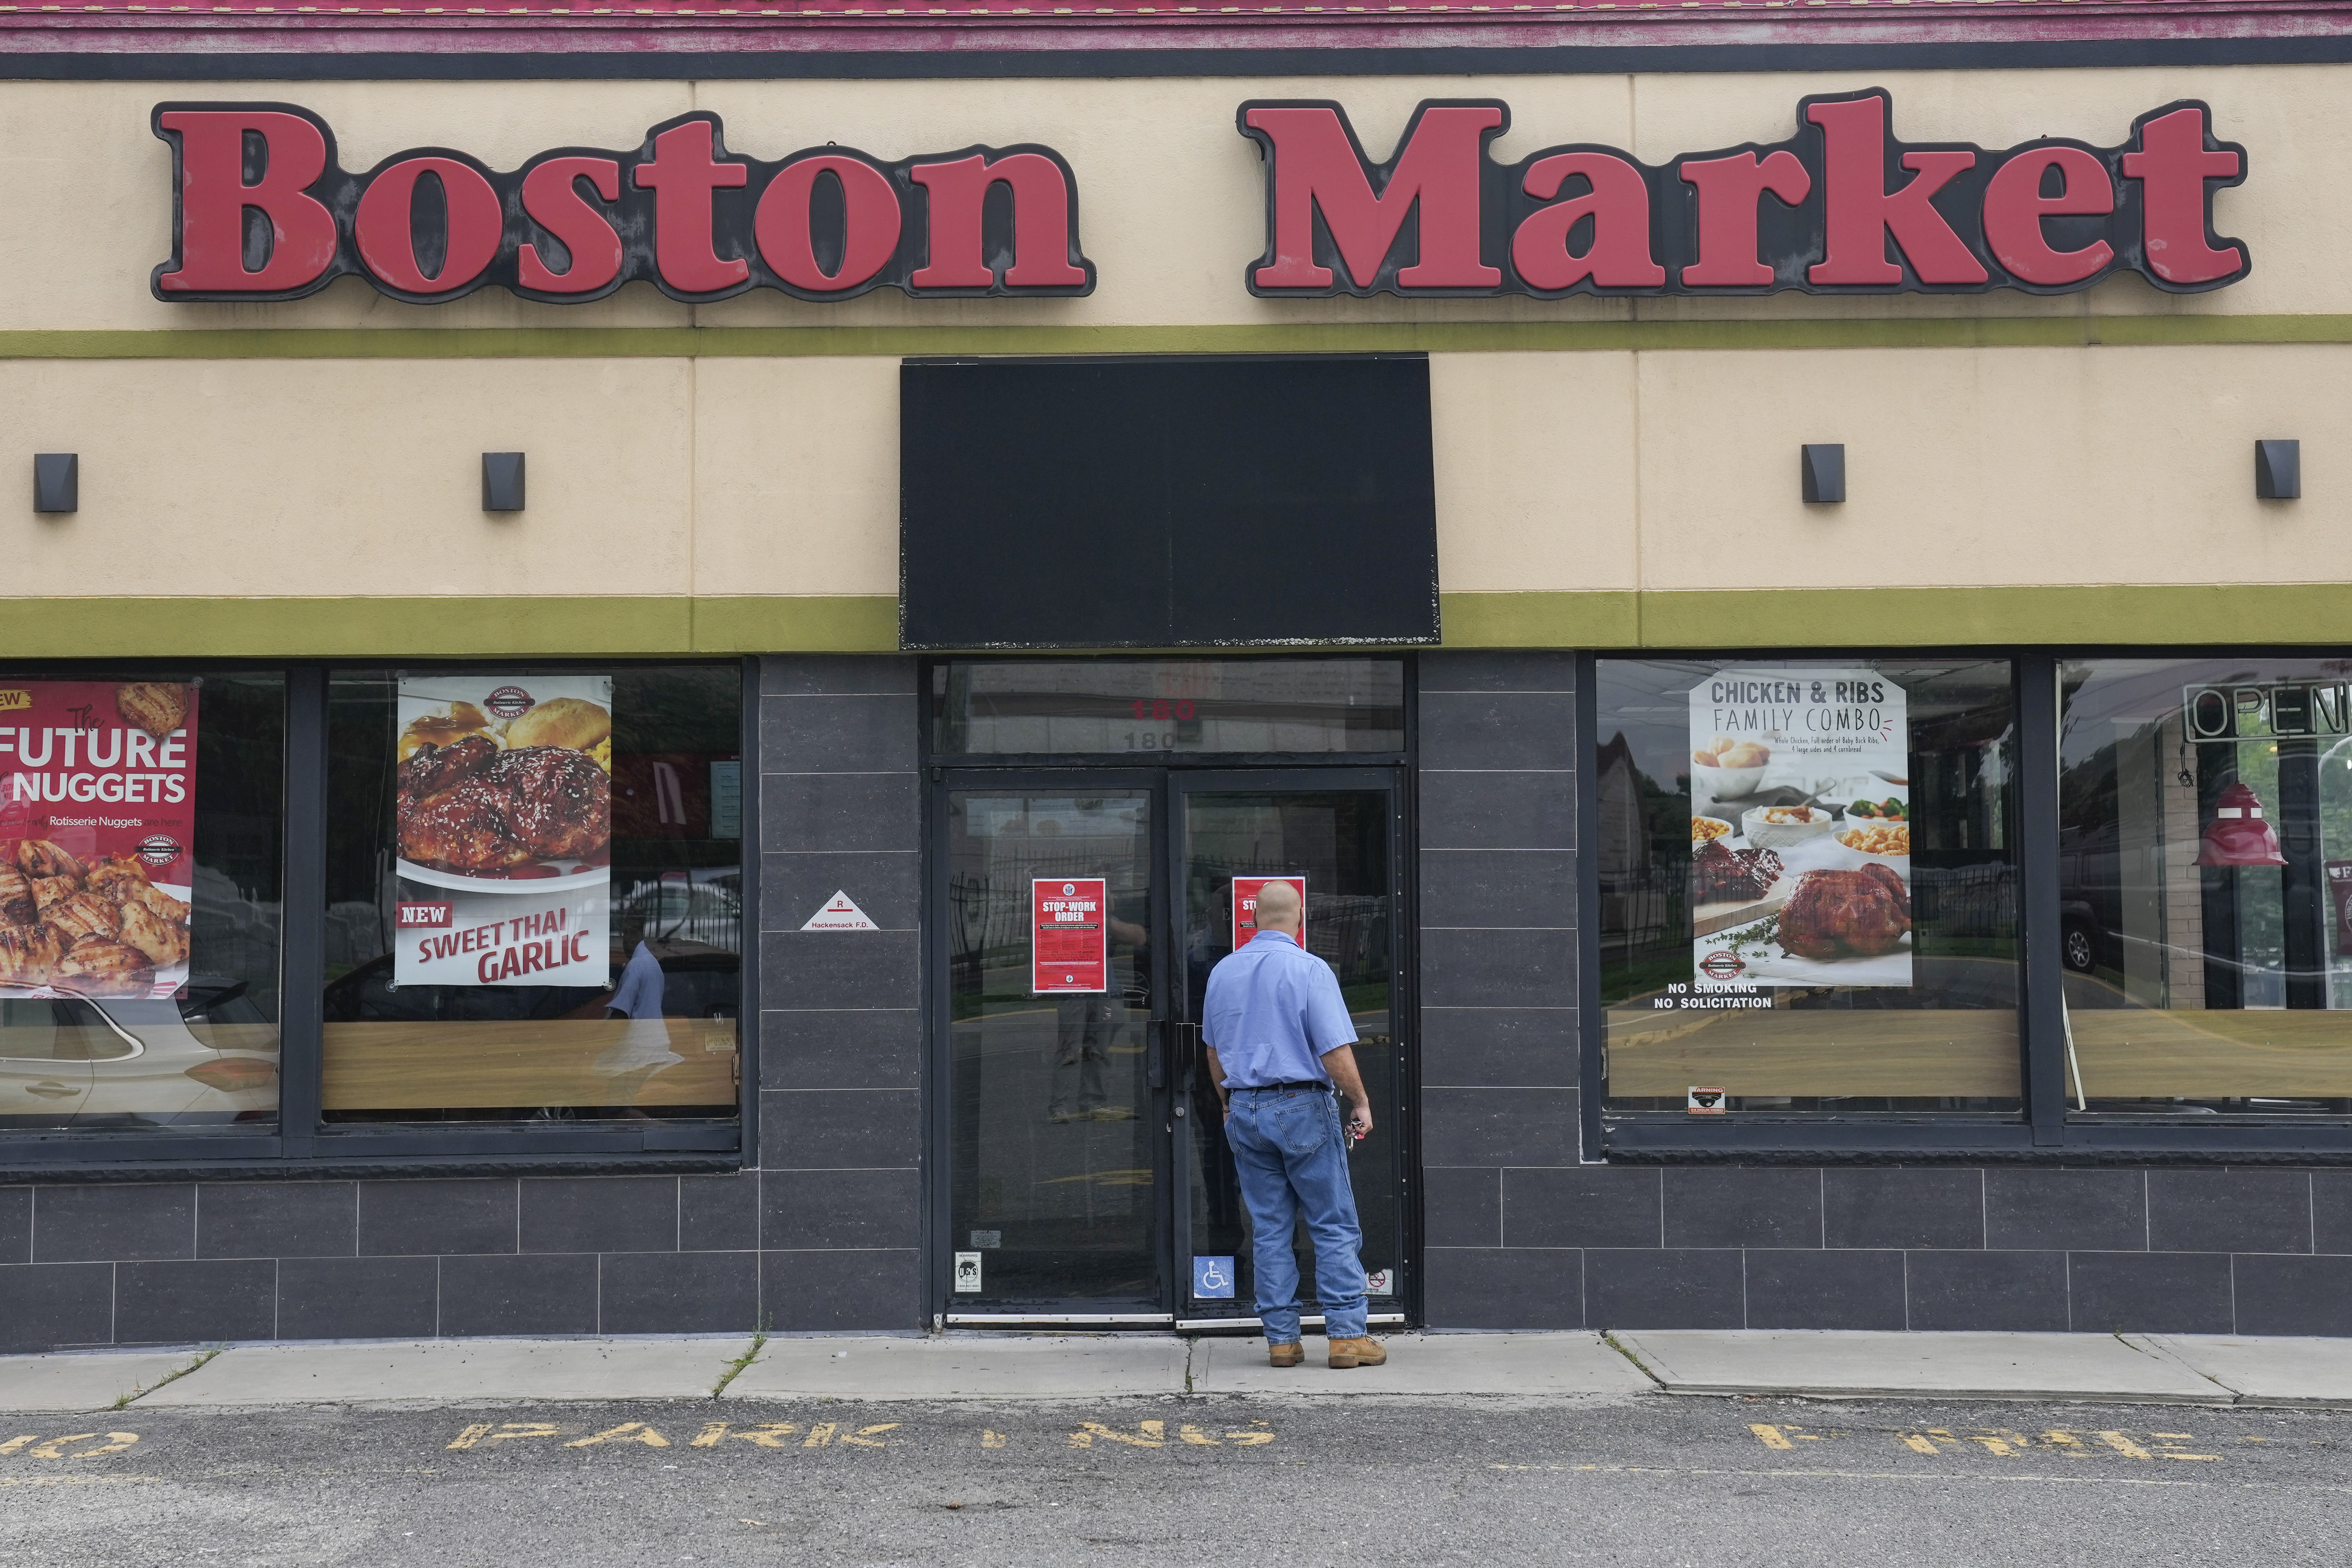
<point x="1808" y="885"/>
<point x="1158" y="705"/>
<point x="139" y="888"/>
<point x="534" y="884"/>
<point x="2205" y="884"/>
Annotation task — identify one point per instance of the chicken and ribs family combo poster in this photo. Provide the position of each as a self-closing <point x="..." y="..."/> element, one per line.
<point x="504" y="808"/>
<point x="1800" y="831"/>
<point x="98" y="819"/>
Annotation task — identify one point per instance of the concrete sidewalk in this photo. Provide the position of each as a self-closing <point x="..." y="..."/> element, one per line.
<point x="2155" y="1369"/>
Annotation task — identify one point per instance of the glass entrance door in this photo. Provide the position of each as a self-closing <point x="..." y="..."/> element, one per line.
<point x="1338" y="834"/>
<point x="1086" y="1174"/>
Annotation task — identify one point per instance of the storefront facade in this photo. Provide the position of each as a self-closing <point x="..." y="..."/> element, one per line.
<point x="650" y="657"/>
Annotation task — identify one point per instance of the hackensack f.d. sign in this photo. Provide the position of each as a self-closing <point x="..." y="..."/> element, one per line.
<point x="263" y="210"/>
<point x="1840" y="208"/>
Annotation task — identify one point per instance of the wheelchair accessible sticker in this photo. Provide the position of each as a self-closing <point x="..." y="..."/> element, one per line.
<point x="1212" y="1278"/>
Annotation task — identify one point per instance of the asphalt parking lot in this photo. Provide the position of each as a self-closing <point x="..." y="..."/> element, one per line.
<point x="1643" y="1479"/>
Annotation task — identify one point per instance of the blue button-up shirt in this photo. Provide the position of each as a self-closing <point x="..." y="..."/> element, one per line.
<point x="1273" y="1009"/>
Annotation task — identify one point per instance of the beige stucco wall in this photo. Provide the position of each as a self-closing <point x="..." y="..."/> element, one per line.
<point x="1556" y="472"/>
<point x="655" y="474"/>
<point x="1169" y="191"/>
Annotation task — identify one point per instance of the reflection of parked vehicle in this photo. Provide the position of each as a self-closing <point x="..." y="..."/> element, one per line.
<point x="208" y="1057"/>
<point x="707" y="910"/>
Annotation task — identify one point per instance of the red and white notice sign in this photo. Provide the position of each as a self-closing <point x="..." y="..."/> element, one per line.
<point x="1069" y="935"/>
<point x="1245" y="891"/>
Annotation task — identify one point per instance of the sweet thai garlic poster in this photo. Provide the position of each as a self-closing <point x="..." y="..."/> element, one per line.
<point x="503" y="801"/>
<point x="1801" y="829"/>
<point x="98" y="819"/>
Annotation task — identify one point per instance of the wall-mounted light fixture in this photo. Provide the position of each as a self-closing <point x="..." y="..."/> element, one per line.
<point x="57" y="481"/>
<point x="502" y="481"/>
<point x="1825" y="471"/>
<point x="2278" y="470"/>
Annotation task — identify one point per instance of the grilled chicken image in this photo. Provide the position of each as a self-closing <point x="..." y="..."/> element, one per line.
<point x="469" y="806"/>
<point x="1846" y="914"/>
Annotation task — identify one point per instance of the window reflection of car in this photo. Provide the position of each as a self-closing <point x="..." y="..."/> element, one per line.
<point x="209" y="1056"/>
<point x="708" y="910"/>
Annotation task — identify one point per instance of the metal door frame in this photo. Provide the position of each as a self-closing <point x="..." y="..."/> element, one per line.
<point x="938" y="1053"/>
<point x="1166" y="783"/>
<point x="1394" y="782"/>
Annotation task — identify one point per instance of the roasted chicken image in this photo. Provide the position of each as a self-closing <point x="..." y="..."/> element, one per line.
<point x="39" y="858"/>
<point x="96" y="930"/>
<point x="18" y="905"/>
<point x="1846" y="914"/>
<point x="97" y="967"/>
<point x="157" y="707"/>
<point x="469" y="807"/>
<point x="29" y="955"/>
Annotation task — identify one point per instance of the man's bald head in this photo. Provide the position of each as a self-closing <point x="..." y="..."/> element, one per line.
<point x="1277" y="908"/>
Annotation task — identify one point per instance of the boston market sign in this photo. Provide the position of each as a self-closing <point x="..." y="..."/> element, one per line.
<point x="264" y="211"/>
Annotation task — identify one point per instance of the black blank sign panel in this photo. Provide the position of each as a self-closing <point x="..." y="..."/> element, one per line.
<point x="1166" y="503"/>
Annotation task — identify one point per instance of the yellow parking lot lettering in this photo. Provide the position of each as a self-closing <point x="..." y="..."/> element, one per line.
<point x="1249" y="1439"/>
<point x="513" y="1429"/>
<point x="627" y="1432"/>
<point x="1999" y="1445"/>
<point x="1195" y="1435"/>
<point x="53" y="1449"/>
<point x="116" y="1442"/>
<point x="1917" y="1444"/>
<point x="13" y="1444"/>
<point x="865" y="1437"/>
<point x="474" y="1434"/>
<point x="710" y="1435"/>
<point x="819" y="1434"/>
<point x="1770" y="1437"/>
<point x="2121" y="1445"/>
<point x="991" y="1440"/>
<point x="1083" y="1437"/>
<point x="767" y="1434"/>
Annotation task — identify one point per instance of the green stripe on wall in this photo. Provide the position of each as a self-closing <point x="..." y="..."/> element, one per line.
<point x="2158" y="616"/>
<point x="1434" y="337"/>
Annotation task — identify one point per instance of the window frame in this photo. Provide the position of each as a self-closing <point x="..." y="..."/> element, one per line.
<point x="303" y="1144"/>
<point x="2049" y="1129"/>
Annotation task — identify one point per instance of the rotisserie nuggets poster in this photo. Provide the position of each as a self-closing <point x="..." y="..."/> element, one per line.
<point x="97" y="816"/>
<point x="1800" y="830"/>
<point x="503" y="802"/>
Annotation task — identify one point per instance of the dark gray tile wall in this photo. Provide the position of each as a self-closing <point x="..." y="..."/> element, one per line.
<point x="834" y="1193"/>
<point x="823" y="1233"/>
<point x="1521" y="1234"/>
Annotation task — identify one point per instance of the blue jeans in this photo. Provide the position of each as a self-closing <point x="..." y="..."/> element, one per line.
<point x="1293" y="1160"/>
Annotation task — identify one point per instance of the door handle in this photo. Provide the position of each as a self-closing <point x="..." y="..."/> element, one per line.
<point x="52" y="1090"/>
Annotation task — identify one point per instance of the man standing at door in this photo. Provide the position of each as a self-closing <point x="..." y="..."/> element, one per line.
<point x="1279" y="1039"/>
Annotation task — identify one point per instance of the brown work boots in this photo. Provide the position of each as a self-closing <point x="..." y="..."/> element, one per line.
<point x="1344" y="1353"/>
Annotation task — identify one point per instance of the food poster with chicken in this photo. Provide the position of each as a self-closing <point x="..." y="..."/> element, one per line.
<point x="1800" y="831"/>
<point x="98" y="819"/>
<point x="503" y="808"/>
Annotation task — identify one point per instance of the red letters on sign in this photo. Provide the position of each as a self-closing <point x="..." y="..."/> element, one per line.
<point x="214" y="198"/>
<point x="1312" y="166"/>
<point x="871" y="220"/>
<point x="682" y="173"/>
<point x="1863" y="212"/>
<point x="2173" y="166"/>
<point x="387" y="242"/>
<point x="1040" y="222"/>
<point x="1619" y="206"/>
<point x="2014" y="207"/>
<point x="551" y="195"/>
<point x="1727" y="191"/>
